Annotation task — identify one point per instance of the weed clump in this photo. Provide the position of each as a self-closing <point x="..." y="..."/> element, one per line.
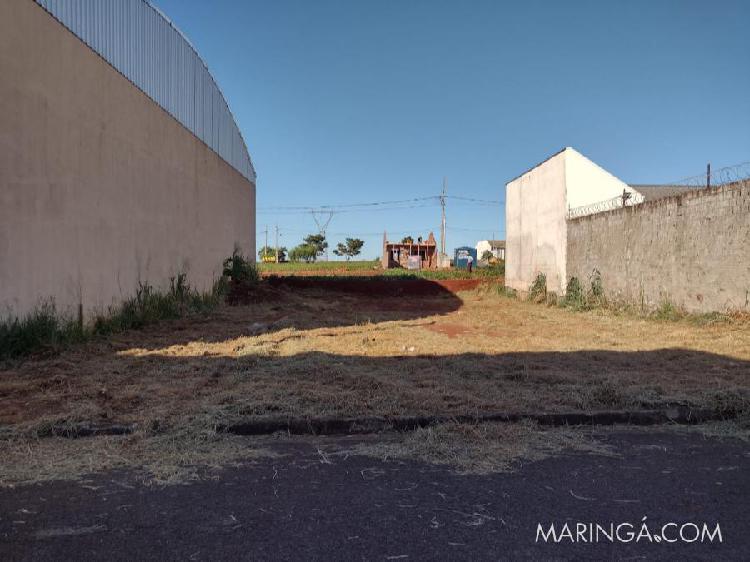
<point x="45" y="329"/>
<point x="668" y="311"/>
<point x="538" y="289"/>
<point x="41" y="329"/>
<point x="574" y="295"/>
<point x="241" y="278"/>
<point x="240" y="270"/>
<point x="596" y="296"/>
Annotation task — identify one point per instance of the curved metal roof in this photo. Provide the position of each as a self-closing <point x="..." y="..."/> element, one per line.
<point x="141" y="43"/>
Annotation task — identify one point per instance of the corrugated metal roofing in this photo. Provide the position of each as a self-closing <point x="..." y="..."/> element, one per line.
<point x="654" y="192"/>
<point x="145" y="47"/>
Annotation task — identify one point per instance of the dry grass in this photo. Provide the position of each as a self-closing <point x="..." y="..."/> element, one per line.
<point x="483" y="448"/>
<point x="175" y="456"/>
<point x="312" y="353"/>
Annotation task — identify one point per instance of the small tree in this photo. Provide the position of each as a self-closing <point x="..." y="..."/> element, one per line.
<point x="487" y="255"/>
<point x="303" y="252"/>
<point x="407" y="240"/>
<point x="270" y="252"/>
<point x="351" y="248"/>
<point x="317" y="242"/>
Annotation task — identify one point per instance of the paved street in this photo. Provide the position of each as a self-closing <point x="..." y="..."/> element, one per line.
<point x="305" y="505"/>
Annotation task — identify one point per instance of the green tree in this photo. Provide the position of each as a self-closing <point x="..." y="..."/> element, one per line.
<point x="487" y="255"/>
<point x="303" y="252"/>
<point x="352" y="247"/>
<point x="407" y="240"/>
<point x="316" y="241"/>
<point x="270" y="252"/>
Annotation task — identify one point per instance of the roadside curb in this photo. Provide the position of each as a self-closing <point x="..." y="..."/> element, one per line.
<point x="681" y="415"/>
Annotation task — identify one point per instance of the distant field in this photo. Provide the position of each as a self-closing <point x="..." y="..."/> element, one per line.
<point x="320" y="266"/>
<point x="359" y="268"/>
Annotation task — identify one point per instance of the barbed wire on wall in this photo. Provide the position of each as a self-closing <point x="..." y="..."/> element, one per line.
<point x="737" y="173"/>
<point x="629" y="199"/>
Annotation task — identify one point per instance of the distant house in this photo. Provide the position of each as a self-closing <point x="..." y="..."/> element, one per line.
<point x="495" y="247"/>
<point x="539" y="202"/>
<point x="410" y="253"/>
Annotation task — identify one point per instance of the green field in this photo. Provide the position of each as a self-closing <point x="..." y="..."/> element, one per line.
<point x="355" y="268"/>
<point x="319" y="266"/>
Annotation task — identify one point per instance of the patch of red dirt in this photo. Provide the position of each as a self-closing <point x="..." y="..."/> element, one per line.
<point x="450" y="330"/>
<point x="455" y="285"/>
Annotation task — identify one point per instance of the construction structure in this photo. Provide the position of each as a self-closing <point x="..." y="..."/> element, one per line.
<point x="410" y="253"/>
<point x="120" y="161"/>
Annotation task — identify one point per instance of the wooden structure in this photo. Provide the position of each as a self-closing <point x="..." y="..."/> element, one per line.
<point x="422" y="252"/>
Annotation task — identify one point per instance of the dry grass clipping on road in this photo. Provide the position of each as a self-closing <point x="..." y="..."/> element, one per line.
<point x="173" y="457"/>
<point x="483" y="448"/>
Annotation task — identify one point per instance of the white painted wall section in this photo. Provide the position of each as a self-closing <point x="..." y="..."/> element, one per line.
<point x="536" y="206"/>
<point x="535" y="211"/>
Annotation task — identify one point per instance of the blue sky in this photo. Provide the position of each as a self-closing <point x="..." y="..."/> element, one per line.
<point x="359" y="101"/>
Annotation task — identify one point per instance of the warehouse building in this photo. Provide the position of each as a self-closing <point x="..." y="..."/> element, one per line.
<point x="120" y="160"/>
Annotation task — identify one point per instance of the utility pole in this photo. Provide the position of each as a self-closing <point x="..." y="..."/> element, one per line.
<point x="708" y="175"/>
<point x="442" y="222"/>
<point x="277" y="243"/>
<point x="265" y="248"/>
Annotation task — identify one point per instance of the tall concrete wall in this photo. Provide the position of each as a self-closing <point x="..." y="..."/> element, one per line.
<point x="536" y="205"/>
<point x="99" y="187"/>
<point x="692" y="250"/>
<point x="535" y="226"/>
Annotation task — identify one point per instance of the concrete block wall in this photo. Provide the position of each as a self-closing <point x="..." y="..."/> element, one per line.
<point x="100" y="188"/>
<point x="692" y="250"/>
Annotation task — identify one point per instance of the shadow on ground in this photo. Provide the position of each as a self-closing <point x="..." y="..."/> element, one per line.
<point x="252" y="380"/>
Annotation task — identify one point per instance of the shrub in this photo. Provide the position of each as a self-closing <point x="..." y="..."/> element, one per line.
<point x="538" y="289"/>
<point x="45" y="329"/>
<point x="596" y="291"/>
<point x="41" y="329"/>
<point x="574" y="296"/>
<point x="668" y="311"/>
<point x="241" y="270"/>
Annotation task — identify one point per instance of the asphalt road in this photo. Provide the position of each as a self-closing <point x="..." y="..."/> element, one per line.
<point x="299" y="507"/>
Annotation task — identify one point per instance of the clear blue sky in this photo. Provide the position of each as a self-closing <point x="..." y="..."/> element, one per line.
<point x="358" y="101"/>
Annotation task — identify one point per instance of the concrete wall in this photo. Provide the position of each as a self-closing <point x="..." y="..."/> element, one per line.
<point x="99" y="187"/>
<point x="535" y="226"/>
<point x="693" y="250"/>
<point x="536" y="205"/>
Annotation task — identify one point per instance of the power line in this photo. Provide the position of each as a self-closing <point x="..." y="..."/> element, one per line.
<point x="309" y="208"/>
<point x="484" y="201"/>
<point x="414" y="203"/>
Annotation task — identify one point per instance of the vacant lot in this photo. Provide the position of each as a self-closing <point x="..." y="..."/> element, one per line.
<point x="385" y="349"/>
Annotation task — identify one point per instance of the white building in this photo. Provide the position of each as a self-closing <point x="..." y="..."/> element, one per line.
<point x="495" y="247"/>
<point x="536" y="207"/>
